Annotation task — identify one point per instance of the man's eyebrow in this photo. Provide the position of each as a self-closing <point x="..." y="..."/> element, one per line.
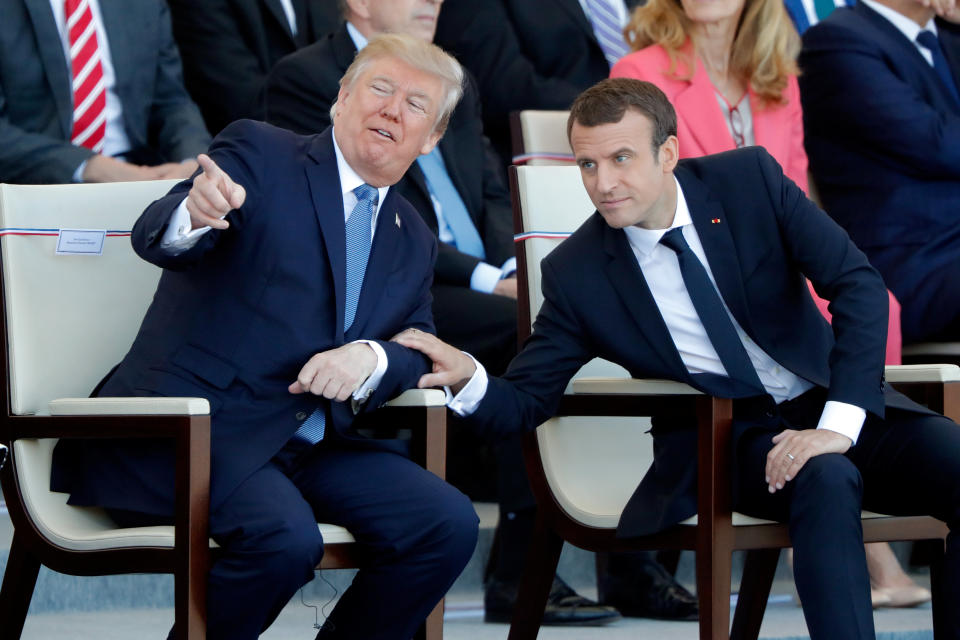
<point x="386" y="79"/>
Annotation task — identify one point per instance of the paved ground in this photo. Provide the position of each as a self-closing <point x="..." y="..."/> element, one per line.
<point x="463" y="622"/>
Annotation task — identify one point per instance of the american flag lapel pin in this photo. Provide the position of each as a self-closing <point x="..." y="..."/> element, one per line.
<point x="715" y="221"/>
<point x="397" y="219"/>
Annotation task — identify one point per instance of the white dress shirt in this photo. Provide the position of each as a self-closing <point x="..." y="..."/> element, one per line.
<point x="661" y="271"/>
<point x="115" y="140"/>
<point x="907" y="27"/>
<point x="178" y="238"/>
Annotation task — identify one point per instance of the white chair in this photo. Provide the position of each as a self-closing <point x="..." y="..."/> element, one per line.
<point x="583" y="468"/>
<point x="539" y="138"/>
<point x="67" y="319"/>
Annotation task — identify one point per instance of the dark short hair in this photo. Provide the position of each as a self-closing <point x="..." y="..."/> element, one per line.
<point x="607" y="101"/>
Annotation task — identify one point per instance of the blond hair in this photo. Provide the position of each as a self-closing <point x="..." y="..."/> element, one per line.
<point x="764" y="52"/>
<point x="420" y="55"/>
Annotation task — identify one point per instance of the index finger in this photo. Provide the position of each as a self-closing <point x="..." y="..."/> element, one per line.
<point x="210" y="167"/>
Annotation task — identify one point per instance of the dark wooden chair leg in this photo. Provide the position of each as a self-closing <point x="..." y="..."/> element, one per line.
<point x="538" y="574"/>
<point x="758" y="570"/>
<point x="19" y="580"/>
<point x="941" y="625"/>
<point x="713" y="592"/>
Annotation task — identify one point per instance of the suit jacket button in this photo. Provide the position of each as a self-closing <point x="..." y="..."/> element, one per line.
<point x="301" y="415"/>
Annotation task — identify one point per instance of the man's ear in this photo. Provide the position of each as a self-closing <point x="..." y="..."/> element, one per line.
<point x="669" y="154"/>
<point x="342" y="95"/>
<point x="431" y="142"/>
<point x="359" y="8"/>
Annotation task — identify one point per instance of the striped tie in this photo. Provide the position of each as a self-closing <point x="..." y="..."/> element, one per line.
<point x="359" y="235"/>
<point x="607" y="28"/>
<point x="89" y="92"/>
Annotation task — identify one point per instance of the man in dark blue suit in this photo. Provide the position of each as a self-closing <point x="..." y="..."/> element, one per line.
<point x="276" y="305"/>
<point x="882" y="118"/>
<point x="817" y="432"/>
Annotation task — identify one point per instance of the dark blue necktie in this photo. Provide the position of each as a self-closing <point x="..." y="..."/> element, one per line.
<point x="931" y="43"/>
<point x="717" y="323"/>
<point x="359" y="238"/>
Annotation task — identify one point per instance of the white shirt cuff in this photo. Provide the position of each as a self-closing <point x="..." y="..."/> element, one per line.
<point x="484" y="277"/>
<point x="509" y="268"/>
<point x="78" y="174"/>
<point x="466" y="402"/>
<point x="370" y="385"/>
<point x="845" y="419"/>
<point x="179" y="237"/>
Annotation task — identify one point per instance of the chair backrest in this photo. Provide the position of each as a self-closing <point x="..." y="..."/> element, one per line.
<point x="70" y="317"/>
<point x="553" y="203"/>
<point x="540" y="138"/>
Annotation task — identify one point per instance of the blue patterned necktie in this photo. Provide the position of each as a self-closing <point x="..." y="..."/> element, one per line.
<point x="359" y="236"/>
<point x="607" y="28"/>
<point x="929" y="41"/>
<point x="465" y="235"/>
<point x="723" y="336"/>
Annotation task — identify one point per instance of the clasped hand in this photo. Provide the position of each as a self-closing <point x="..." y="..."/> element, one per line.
<point x="336" y="374"/>
<point x="792" y="450"/>
<point x="451" y="367"/>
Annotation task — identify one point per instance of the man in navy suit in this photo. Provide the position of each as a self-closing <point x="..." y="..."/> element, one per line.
<point x="277" y="306"/>
<point x="881" y="113"/>
<point x="817" y="433"/>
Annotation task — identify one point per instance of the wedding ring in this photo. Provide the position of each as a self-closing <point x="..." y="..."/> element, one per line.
<point x="790" y="455"/>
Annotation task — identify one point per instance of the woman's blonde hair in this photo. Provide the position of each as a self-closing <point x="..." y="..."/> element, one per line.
<point x="765" y="47"/>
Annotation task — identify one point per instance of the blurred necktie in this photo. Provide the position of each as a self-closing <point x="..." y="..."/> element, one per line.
<point x="931" y="43"/>
<point x="89" y="91"/>
<point x="606" y="26"/>
<point x="465" y="235"/>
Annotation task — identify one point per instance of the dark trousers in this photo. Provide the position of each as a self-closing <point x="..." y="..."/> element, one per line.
<point x="905" y="464"/>
<point x="418" y="533"/>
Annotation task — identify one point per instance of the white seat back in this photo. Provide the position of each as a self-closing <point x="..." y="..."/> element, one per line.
<point x="592" y="464"/>
<point x="544" y="136"/>
<point x="70" y="318"/>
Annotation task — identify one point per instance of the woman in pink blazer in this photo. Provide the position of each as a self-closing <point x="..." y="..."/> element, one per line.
<point x="731" y="86"/>
<point x="729" y="68"/>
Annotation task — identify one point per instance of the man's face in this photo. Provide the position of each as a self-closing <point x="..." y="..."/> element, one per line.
<point x="417" y="18"/>
<point x="626" y="182"/>
<point x="386" y="118"/>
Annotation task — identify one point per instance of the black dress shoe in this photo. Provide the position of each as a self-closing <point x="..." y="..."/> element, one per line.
<point x="648" y="591"/>
<point x="564" y="606"/>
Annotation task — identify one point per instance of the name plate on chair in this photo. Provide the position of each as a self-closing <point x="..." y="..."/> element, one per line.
<point x="81" y="242"/>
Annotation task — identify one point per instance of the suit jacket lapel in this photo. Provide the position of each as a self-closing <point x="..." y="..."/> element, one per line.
<point x="323" y="178"/>
<point x="710" y="221"/>
<point x="275" y="9"/>
<point x="120" y="41"/>
<point x="344" y="51"/>
<point x="54" y="62"/>
<point x="385" y="241"/>
<point x="630" y="285"/>
<point x="902" y="47"/>
<point x="573" y="8"/>
<point x="950" y="39"/>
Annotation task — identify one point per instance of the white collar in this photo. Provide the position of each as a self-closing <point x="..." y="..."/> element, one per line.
<point x="646" y="240"/>
<point x="350" y="179"/>
<point x="907" y="27"/>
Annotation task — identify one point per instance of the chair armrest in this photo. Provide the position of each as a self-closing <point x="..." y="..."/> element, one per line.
<point x="904" y="373"/>
<point x="632" y="386"/>
<point x="419" y="398"/>
<point x="153" y="405"/>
